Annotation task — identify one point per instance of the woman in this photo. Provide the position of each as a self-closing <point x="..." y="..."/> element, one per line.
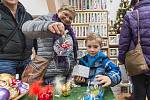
<point x="39" y="28"/>
<point x="15" y="49"/>
<point x="141" y="83"/>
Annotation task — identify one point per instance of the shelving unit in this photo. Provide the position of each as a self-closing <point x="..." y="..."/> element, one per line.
<point x="88" y="4"/>
<point x="113" y="46"/>
<point x="92" y="16"/>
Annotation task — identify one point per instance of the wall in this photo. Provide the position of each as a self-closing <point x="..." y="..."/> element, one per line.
<point x="51" y="5"/>
<point x="54" y="5"/>
<point x="112" y="8"/>
<point x="42" y="7"/>
<point x="36" y="7"/>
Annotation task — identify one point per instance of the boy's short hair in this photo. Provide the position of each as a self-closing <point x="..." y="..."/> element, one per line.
<point x="94" y="36"/>
<point x="69" y="8"/>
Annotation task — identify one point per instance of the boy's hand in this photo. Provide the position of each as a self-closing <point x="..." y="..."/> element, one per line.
<point x="103" y="80"/>
<point x="79" y="79"/>
<point x="57" y="27"/>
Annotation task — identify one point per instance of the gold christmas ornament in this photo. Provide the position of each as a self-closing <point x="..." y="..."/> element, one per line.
<point x="5" y="79"/>
<point x="66" y="89"/>
<point x="14" y="92"/>
<point x="5" y="83"/>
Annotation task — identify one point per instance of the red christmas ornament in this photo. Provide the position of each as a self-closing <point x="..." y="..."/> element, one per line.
<point x="65" y="45"/>
<point x="13" y="82"/>
<point x="45" y="96"/>
<point x="43" y="92"/>
<point x="35" y="88"/>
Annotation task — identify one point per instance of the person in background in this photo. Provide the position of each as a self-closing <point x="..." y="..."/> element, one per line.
<point x="141" y="83"/>
<point x="101" y="67"/>
<point x="15" y="49"/>
<point x="39" y="28"/>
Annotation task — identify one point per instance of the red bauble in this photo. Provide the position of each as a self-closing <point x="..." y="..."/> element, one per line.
<point x="45" y="96"/>
<point x="13" y="82"/>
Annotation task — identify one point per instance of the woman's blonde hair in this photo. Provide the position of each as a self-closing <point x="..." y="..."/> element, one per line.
<point x="69" y="8"/>
<point x="94" y="36"/>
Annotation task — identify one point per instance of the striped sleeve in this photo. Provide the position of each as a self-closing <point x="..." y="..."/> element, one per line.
<point x="37" y="27"/>
<point x="113" y="72"/>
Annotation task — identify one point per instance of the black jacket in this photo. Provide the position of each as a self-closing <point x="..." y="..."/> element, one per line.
<point x="19" y="47"/>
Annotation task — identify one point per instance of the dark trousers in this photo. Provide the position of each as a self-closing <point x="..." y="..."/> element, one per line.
<point x="141" y="86"/>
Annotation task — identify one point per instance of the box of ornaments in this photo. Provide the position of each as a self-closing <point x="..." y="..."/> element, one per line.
<point x="12" y="88"/>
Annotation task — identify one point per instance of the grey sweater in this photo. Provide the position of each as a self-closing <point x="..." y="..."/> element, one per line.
<point x="38" y="28"/>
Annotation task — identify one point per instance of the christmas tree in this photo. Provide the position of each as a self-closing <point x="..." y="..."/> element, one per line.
<point x="124" y="7"/>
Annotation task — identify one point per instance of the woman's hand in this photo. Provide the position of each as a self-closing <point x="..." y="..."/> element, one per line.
<point x="57" y="27"/>
<point x="103" y="80"/>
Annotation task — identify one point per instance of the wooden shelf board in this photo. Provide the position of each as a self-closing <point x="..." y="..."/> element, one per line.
<point x="91" y="10"/>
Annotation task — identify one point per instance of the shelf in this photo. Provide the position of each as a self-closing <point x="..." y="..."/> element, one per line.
<point x="112" y="34"/>
<point x="104" y="37"/>
<point x="113" y="56"/>
<point x="82" y="48"/>
<point x="81" y="38"/>
<point x="104" y="47"/>
<point x="87" y="24"/>
<point x="113" y="45"/>
<point x="91" y="10"/>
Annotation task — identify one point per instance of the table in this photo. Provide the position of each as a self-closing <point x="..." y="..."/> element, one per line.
<point x="77" y="93"/>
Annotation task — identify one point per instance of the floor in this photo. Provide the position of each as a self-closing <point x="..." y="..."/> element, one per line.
<point x="123" y="96"/>
<point x="122" y="91"/>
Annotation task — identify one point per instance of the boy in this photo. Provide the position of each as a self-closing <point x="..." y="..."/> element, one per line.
<point x="101" y="68"/>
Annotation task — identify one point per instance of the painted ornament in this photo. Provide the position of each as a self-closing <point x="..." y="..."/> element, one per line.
<point x="63" y="46"/>
<point x="66" y="89"/>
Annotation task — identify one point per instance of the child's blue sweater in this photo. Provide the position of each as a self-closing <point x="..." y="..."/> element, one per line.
<point x="100" y="64"/>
